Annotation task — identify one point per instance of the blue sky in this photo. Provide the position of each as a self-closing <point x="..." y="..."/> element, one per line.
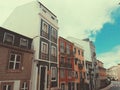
<point x="109" y="35"/>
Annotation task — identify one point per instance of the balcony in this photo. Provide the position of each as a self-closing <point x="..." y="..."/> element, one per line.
<point x="80" y="66"/>
<point x="53" y="39"/>
<point x="53" y="58"/>
<point x="44" y="34"/>
<point x="44" y="56"/>
<point x="65" y="65"/>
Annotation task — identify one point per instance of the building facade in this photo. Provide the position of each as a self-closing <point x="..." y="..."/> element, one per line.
<point x="79" y="68"/>
<point x="16" y="59"/>
<point x="43" y="27"/>
<point x="66" y="64"/>
<point x="113" y="72"/>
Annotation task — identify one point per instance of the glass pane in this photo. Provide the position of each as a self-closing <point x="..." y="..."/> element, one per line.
<point x="9" y="87"/>
<point x="9" y="38"/>
<point x="17" y="65"/>
<point x="12" y="57"/>
<point x="11" y="65"/>
<point x="18" y="58"/>
<point x="4" y="87"/>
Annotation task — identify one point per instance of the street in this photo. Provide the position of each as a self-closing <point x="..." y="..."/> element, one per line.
<point x="115" y="85"/>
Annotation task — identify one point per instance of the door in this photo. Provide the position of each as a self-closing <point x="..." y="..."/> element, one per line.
<point x="43" y="78"/>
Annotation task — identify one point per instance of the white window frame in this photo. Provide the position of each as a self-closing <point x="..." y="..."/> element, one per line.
<point x="42" y="47"/>
<point x="10" y="35"/>
<point x="54" y="53"/>
<point x="68" y="49"/>
<point x="55" y="72"/>
<point x="54" y="32"/>
<point x="24" y="87"/>
<point x="15" y="61"/>
<point x="23" y="40"/>
<point x="43" y="28"/>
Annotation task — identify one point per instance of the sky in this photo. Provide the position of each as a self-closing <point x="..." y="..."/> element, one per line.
<point x="98" y="20"/>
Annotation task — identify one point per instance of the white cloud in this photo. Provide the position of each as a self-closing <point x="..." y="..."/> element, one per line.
<point x="110" y="58"/>
<point x="78" y="18"/>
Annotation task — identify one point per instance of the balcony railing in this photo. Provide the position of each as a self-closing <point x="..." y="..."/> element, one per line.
<point x="53" y="39"/>
<point x="53" y="58"/>
<point x="80" y="66"/>
<point x="44" y="34"/>
<point x="44" y="56"/>
<point x="65" y="65"/>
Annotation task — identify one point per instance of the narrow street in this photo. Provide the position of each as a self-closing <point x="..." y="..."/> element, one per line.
<point x="115" y="85"/>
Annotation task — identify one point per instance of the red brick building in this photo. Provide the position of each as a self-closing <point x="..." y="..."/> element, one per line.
<point x="66" y="64"/>
<point x="15" y="61"/>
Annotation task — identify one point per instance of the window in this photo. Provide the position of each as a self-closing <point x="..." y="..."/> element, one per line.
<point x="62" y="60"/>
<point x="70" y="73"/>
<point x="53" y="51"/>
<point x="68" y="49"/>
<point x="82" y="53"/>
<point x="74" y="50"/>
<point x="45" y="27"/>
<point x="44" y="48"/>
<point x="23" y="42"/>
<point x="76" y="60"/>
<point x="7" y="86"/>
<point x="8" y="38"/>
<point x="54" y="33"/>
<point x="24" y="86"/>
<point x="62" y="73"/>
<point x="79" y="52"/>
<point x="14" y="61"/>
<point x="54" y="73"/>
<point x="62" y="86"/>
<point x="76" y="75"/>
<point x="62" y="47"/>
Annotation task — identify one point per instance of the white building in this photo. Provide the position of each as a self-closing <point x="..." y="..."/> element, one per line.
<point x="36" y="21"/>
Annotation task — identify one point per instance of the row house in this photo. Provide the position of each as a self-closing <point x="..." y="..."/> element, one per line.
<point x="79" y="68"/>
<point x="16" y="58"/>
<point x="66" y="64"/>
<point x="89" y="55"/>
<point x="36" y="21"/>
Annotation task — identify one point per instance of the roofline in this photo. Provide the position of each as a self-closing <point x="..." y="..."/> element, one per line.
<point x="46" y="8"/>
<point x="15" y="32"/>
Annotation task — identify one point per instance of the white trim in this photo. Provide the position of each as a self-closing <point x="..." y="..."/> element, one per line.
<point x="52" y="72"/>
<point x="46" y="61"/>
<point x="15" y="60"/>
<point x="44" y="43"/>
<point x="56" y="27"/>
<point x="21" y="41"/>
<point x="5" y="34"/>
<point x="49" y="40"/>
<point x="43" y="29"/>
<point x="52" y="50"/>
<point x="45" y="85"/>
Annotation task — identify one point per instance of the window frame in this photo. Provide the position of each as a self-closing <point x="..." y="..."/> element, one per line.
<point x="53" y="53"/>
<point x="55" y="72"/>
<point x="43" y="28"/>
<point x="24" y="88"/>
<point x="46" y="51"/>
<point x="26" y="41"/>
<point x="7" y="83"/>
<point x="68" y="49"/>
<point x="5" y="35"/>
<point x="54" y="32"/>
<point x="15" y="62"/>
